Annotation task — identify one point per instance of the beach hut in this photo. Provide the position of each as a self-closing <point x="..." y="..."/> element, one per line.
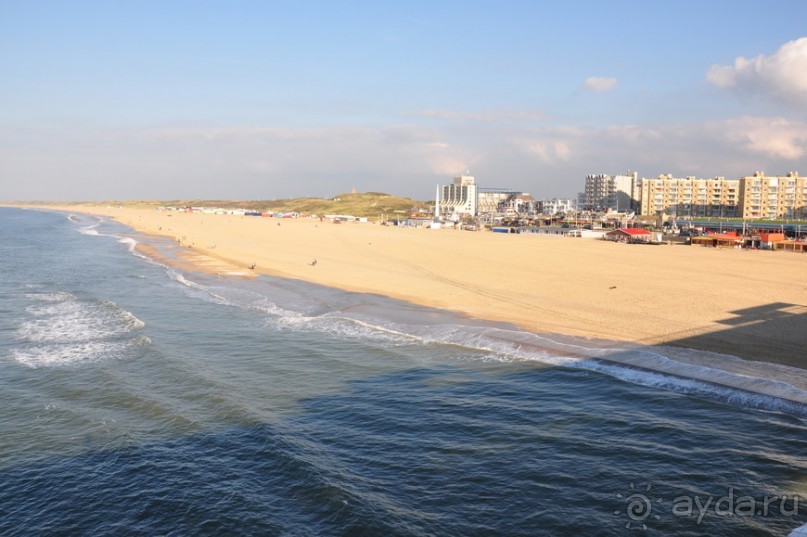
<point x="790" y="246"/>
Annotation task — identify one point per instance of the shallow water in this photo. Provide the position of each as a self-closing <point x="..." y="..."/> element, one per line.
<point x="139" y="399"/>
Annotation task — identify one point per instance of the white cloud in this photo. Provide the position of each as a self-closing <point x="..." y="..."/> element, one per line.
<point x="599" y="83"/>
<point x="772" y="137"/>
<point x="262" y="162"/>
<point x="781" y="76"/>
<point x="547" y="149"/>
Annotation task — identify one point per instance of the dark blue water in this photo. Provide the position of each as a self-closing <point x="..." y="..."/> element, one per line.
<point x="138" y="400"/>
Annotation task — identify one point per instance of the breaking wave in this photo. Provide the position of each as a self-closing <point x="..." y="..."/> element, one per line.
<point x="703" y="374"/>
<point x="63" y="329"/>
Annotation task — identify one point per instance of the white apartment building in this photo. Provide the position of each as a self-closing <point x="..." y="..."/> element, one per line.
<point x="459" y="198"/>
<point x="558" y="206"/>
<point x="611" y="192"/>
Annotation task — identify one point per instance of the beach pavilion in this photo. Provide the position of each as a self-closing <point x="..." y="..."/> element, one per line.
<point x="629" y="234"/>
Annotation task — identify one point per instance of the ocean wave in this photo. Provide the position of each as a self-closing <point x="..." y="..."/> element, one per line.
<point x="341" y="327"/>
<point x="725" y="378"/>
<point x="641" y="366"/>
<point x="131" y="244"/>
<point x="89" y="230"/>
<point x="56" y="296"/>
<point x="60" y="355"/>
<point x="199" y="291"/>
<point x="62" y="329"/>
<point x="92" y="230"/>
<point x="74" y="321"/>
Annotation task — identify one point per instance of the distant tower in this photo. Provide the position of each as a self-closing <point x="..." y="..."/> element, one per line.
<point x="437" y="204"/>
<point x="353" y="191"/>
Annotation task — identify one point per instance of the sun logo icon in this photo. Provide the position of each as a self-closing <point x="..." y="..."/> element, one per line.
<point x="638" y="507"/>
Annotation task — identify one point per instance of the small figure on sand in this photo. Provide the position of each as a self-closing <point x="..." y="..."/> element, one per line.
<point x="252" y="266"/>
<point x="313" y="263"/>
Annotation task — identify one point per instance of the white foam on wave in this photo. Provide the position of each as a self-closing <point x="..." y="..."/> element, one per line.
<point x="198" y="289"/>
<point x="73" y="320"/>
<point x="644" y="367"/>
<point x="89" y="230"/>
<point x="339" y="326"/>
<point x="726" y="378"/>
<point x="637" y="366"/>
<point x="92" y="230"/>
<point x="75" y="353"/>
<point x="56" y="296"/>
<point x="63" y="329"/>
<point x="131" y="244"/>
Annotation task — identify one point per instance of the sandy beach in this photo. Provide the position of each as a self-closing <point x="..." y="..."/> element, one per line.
<point x="751" y="304"/>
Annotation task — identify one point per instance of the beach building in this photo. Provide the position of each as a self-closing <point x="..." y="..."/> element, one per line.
<point x="505" y="202"/>
<point x="489" y="199"/>
<point x="629" y="234"/>
<point x="458" y="198"/>
<point x="788" y="245"/>
<point x="719" y="240"/>
<point x="517" y="205"/>
<point x="616" y="192"/>
<point x="689" y="197"/>
<point x="777" y="197"/>
<point x="552" y="231"/>
<point x="551" y="207"/>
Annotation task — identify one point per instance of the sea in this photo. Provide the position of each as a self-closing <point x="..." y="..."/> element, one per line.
<point x="140" y="399"/>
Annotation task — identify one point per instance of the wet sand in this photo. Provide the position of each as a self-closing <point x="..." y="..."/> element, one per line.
<point x="751" y="304"/>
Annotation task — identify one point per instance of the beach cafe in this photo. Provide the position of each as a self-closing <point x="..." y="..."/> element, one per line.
<point x="729" y="239"/>
<point x="629" y="234"/>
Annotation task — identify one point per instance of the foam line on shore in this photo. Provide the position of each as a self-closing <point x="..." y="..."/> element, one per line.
<point x="643" y="366"/>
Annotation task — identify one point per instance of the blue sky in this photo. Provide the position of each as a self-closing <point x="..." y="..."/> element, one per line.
<point x="262" y="99"/>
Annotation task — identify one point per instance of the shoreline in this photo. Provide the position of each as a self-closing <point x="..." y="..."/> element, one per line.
<point x="675" y="296"/>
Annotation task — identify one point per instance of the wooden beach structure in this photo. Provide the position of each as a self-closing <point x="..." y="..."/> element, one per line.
<point x="719" y="240"/>
<point x="629" y="234"/>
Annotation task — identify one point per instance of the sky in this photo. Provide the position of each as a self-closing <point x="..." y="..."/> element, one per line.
<point x="239" y="99"/>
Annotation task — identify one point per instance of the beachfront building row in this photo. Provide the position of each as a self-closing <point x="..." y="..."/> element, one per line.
<point x="464" y="198"/>
<point x="754" y="196"/>
<point x="690" y="197"/>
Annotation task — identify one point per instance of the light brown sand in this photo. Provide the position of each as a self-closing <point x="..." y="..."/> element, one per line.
<point x="747" y="303"/>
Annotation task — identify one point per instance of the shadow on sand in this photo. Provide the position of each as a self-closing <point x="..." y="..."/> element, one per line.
<point x="753" y="332"/>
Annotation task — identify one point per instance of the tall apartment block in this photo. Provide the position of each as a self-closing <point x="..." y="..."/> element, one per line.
<point x="691" y="197"/>
<point x="778" y="197"/>
<point x="616" y="192"/>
